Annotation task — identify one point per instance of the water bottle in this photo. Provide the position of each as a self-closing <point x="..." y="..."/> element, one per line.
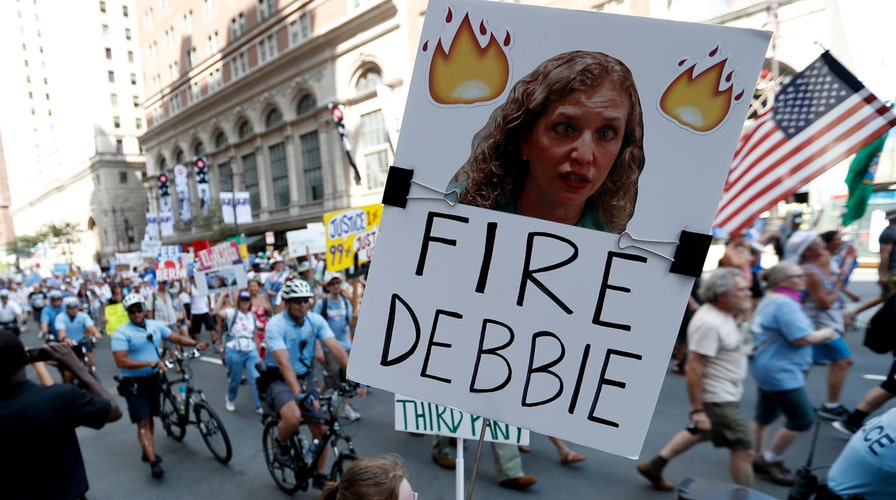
<point x="307" y="454"/>
<point x="182" y="399"/>
<point x="313" y="448"/>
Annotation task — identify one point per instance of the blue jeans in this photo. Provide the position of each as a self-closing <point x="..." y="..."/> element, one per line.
<point x="236" y="362"/>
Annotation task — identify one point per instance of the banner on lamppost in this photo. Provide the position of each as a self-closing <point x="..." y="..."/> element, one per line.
<point x="182" y="189"/>
<point x="243" y="207"/>
<point x="227" y="207"/>
<point x="152" y="226"/>
<point x="166" y="223"/>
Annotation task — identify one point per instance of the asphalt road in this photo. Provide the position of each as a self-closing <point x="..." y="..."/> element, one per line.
<point x="115" y="471"/>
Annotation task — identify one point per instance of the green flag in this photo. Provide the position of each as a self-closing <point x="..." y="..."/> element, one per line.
<point x="860" y="179"/>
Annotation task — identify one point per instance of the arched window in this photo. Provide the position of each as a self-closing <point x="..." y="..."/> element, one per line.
<point x="273" y="119"/>
<point x="179" y="157"/>
<point x="163" y="165"/>
<point x="306" y="105"/>
<point x="245" y="130"/>
<point x="199" y="150"/>
<point x="370" y="78"/>
<point x="220" y="140"/>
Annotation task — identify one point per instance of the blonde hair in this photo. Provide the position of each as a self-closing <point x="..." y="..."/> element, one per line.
<point x="779" y="273"/>
<point x="496" y="171"/>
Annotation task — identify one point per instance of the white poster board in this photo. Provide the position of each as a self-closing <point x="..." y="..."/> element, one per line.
<point x="221" y="279"/>
<point x="422" y="417"/>
<point x="556" y="328"/>
<point x="311" y="239"/>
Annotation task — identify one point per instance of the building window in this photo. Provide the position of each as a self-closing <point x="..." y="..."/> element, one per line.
<point x="138" y="123"/>
<point x="369" y="80"/>
<point x="279" y="175"/>
<point x="267" y="48"/>
<point x="195" y="91"/>
<point x="130" y="56"/>
<point x="133" y="78"/>
<point x="188" y="22"/>
<point x="122" y="177"/>
<point x="311" y="166"/>
<point x="119" y="148"/>
<point x="238" y="64"/>
<point x="108" y="53"/>
<point x="105" y="30"/>
<point x="192" y="58"/>
<point x="250" y="177"/>
<point x="114" y="99"/>
<point x="149" y="18"/>
<point x="214" y="43"/>
<point x="209" y="8"/>
<point x="116" y="121"/>
<point x="179" y="157"/>
<point x="169" y="37"/>
<point x="102" y="6"/>
<point x="111" y="76"/>
<point x="136" y="100"/>
<point x="199" y="150"/>
<point x="225" y="173"/>
<point x="245" y="130"/>
<point x="127" y="33"/>
<point x="375" y="148"/>
<point x="124" y="10"/>
<point x="215" y="80"/>
<point x="220" y="140"/>
<point x="273" y="119"/>
<point x="306" y="105"/>
<point x="265" y="9"/>
<point x="237" y="26"/>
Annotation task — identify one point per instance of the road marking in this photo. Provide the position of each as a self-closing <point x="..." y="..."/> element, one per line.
<point x="874" y="377"/>
<point x="216" y="361"/>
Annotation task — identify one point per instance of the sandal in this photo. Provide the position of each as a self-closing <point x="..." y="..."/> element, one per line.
<point x="571" y="457"/>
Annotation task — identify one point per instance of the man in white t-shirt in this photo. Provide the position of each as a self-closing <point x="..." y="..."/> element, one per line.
<point x="715" y="371"/>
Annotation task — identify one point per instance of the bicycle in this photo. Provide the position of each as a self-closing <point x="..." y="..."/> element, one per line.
<point x="304" y="455"/>
<point x="179" y="397"/>
<point x="80" y="348"/>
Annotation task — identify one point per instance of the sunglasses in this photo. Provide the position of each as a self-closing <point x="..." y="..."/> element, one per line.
<point x="134" y="310"/>
<point x="301" y="300"/>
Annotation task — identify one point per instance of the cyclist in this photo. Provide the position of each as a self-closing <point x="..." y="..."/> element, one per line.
<point x="135" y="347"/>
<point x="337" y="310"/>
<point x="49" y="313"/>
<point x="38" y="299"/>
<point x="71" y="326"/>
<point x="290" y="337"/>
<point x="11" y="315"/>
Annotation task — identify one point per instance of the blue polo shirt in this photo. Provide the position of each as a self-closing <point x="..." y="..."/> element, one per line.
<point x="48" y="315"/>
<point x="133" y="339"/>
<point x="74" y="327"/>
<point x="282" y="332"/>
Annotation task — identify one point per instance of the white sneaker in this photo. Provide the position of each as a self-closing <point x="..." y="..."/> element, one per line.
<point x="229" y="405"/>
<point x="350" y="413"/>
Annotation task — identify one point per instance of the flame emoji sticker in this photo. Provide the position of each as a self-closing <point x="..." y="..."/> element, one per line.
<point x="701" y="96"/>
<point x="473" y="69"/>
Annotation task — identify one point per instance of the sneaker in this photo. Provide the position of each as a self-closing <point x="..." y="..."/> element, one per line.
<point x="838" y="412"/>
<point x="229" y="405"/>
<point x="259" y="411"/>
<point x="777" y="472"/>
<point x="283" y="456"/>
<point x="155" y="468"/>
<point x="144" y="458"/>
<point x="350" y="413"/>
<point x="844" y="427"/>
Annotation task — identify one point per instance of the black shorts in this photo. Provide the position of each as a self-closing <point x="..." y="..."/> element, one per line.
<point x="278" y="395"/>
<point x="197" y="320"/>
<point x="144" y="399"/>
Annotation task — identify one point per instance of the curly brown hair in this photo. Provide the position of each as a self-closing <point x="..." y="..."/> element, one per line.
<point x="496" y="171"/>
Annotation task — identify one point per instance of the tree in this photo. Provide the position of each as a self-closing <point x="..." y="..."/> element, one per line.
<point x="52" y="235"/>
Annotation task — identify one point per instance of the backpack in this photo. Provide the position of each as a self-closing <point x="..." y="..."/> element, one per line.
<point x="323" y="310"/>
<point x="880" y="335"/>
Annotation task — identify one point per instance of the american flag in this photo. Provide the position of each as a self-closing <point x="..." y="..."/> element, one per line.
<point x="819" y="118"/>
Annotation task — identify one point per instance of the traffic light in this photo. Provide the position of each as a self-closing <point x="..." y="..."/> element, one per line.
<point x="200" y="166"/>
<point x="336" y="112"/>
<point x="163" y="184"/>
<point x="338" y="115"/>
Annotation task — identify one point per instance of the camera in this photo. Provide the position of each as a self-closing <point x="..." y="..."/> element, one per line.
<point x="38" y="354"/>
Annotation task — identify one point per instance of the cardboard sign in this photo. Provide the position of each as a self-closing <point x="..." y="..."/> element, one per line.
<point x="115" y="317"/>
<point x="578" y="153"/>
<point x="169" y="265"/>
<point x="149" y="248"/>
<point x="311" y="239"/>
<point x="220" y="255"/>
<point x="221" y="279"/>
<point x="343" y="227"/>
<point x="414" y="415"/>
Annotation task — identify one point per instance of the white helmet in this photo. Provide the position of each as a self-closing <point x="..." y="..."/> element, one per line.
<point x="71" y="302"/>
<point x="296" y="289"/>
<point x="54" y="294"/>
<point x="132" y="299"/>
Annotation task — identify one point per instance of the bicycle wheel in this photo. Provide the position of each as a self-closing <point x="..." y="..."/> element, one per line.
<point x="342" y="462"/>
<point x="286" y="476"/>
<point x="213" y="432"/>
<point x="174" y="426"/>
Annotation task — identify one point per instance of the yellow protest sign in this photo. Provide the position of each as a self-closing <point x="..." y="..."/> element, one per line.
<point x="115" y="317"/>
<point x="351" y="232"/>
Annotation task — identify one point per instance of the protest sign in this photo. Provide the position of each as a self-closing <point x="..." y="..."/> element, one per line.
<point x="220" y="255"/>
<point x="544" y="297"/>
<point x="421" y="417"/>
<point x="351" y="232"/>
<point x="169" y="265"/>
<point x="311" y="239"/>
<point x="149" y="248"/>
<point x="115" y="317"/>
<point x="221" y="279"/>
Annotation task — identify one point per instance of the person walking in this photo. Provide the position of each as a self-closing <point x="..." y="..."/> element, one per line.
<point x="783" y="336"/>
<point x="715" y="370"/>
<point x="241" y="347"/>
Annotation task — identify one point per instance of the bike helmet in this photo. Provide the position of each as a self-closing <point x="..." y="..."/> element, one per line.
<point x="71" y="302"/>
<point x="54" y="294"/>
<point x="132" y="299"/>
<point x="296" y="289"/>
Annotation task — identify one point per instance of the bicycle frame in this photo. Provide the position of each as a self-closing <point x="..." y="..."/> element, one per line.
<point x="172" y="386"/>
